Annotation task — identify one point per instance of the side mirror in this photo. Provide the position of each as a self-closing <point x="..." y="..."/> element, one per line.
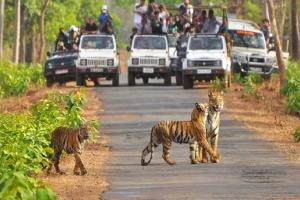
<point x="128" y="48"/>
<point x="48" y="54"/>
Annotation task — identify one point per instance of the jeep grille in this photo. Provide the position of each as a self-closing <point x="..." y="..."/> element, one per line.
<point x="207" y="63"/>
<point x="100" y="62"/>
<point x="148" y="61"/>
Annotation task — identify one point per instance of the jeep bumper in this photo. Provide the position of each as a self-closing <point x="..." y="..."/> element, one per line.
<point x="204" y="74"/>
<point x="150" y="72"/>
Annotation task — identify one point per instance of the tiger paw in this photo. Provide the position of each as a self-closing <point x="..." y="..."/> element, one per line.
<point x="61" y="172"/>
<point x="76" y="173"/>
<point x="214" y="160"/>
<point x="204" y="160"/>
<point x="83" y="172"/>
<point x="194" y="161"/>
<point x="168" y="160"/>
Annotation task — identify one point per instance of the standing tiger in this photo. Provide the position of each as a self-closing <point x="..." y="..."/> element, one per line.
<point x="212" y="124"/>
<point x="70" y="140"/>
<point x="192" y="132"/>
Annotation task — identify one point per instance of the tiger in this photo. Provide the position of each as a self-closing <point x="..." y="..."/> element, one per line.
<point x="192" y="132"/>
<point x="212" y="125"/>
<point x="70" y="140"/>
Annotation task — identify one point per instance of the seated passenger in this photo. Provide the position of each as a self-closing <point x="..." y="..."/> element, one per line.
<point x="60" y="46"/>
<point x="61" y="37"/>
<point x="172" y="28"/>
<point x="91" y="26"/>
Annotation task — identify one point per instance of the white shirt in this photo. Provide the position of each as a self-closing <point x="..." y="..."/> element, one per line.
<point x="163" y="16"/>
<point x="137" y="17"/>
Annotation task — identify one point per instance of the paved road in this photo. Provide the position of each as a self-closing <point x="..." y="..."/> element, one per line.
<point x="249" y="169"/>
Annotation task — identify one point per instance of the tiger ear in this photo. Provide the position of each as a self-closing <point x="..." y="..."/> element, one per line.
<point x="199" y="107"/>
<point x="210" y="93"/>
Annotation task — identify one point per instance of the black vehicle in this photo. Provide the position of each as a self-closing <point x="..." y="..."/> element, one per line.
<point x="60" y="67"/>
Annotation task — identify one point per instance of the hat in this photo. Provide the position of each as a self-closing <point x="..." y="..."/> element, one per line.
<point x="104" y="8"/>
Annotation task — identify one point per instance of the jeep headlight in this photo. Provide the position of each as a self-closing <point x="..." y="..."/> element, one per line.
<point x="135" y="61"/>
<point x="110" y="62"/>
<point x="270" y="61"/>
<point x="189" y="63"/>
<point x="162" y="62"/>
<point x="83" y="62"/>
<point x="50" y="66"/>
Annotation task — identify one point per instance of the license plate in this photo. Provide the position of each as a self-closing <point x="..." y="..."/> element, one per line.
<point x="61" y="71"/>
<point x="96" y="69"/>
<point x="148" y="70"/>
<point x="255" y="69"/>
<point x="204" y="71"/>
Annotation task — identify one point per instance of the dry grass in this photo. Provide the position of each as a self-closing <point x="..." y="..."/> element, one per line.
<point x="266" y="115"/>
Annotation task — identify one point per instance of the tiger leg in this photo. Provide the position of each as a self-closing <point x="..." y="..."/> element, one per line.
<point x="154" y="142"/>
<point x="214" y="145"/>
<point x="50" y="166"/>
<point x="78" y="161"/>
<point x="204" y="156"/>
<point x="76" y="167"/>
<point x="193" y="153"/>
<point x="56" y="159"/>
<point x="203" y="142"/>
<point x="199" y="153"/>
<point x="166" y="148"/>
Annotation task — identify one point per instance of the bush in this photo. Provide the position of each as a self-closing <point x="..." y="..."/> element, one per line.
<point x="297" y="134"/>
<point x="25" y="140"/>
<point x="252" y="82"/>
<point x="292" y="90"/>
<point x="15" y="79"/>
<point x="219" y="84"/>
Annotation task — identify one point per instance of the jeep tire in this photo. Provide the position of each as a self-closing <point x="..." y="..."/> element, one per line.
<point x="168" y="79"/>
<point x="115" y="80"/>
<point x="178" y="75"/>
<point x="131" y="79"/>
<point x="79" y="80"/>
<point x="49" y="82"/>
<point x="187" y="82"/>
<point x="145" y="80"/>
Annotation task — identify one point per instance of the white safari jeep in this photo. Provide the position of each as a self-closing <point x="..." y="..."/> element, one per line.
<point x="249" y="52"/>
<point x="206" y="59"/>
<point x="98" y="57"/>
<point x="149" y="59"/>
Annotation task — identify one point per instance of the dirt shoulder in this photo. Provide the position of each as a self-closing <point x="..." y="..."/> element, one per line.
<point x="266" y="116"/>
<point x="94" y="156"/>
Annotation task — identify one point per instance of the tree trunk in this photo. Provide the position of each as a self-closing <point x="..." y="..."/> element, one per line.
<point x="278" y="46"/>
<point x="295" y="37"/>
<point x="282" y="18"/>
<point x="239" y="9"/>
<point x="2" y="5"/>
<point x="23" y="34"/>
<point x="17" y="31"/>
<point x="33" y="45"/>
<point x="42" y="30"/>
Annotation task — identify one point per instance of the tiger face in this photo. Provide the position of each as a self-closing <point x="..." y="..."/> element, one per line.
<point x="84" y="131"/>
<point x="215" y="99"/>
<point x="200" y="112"/>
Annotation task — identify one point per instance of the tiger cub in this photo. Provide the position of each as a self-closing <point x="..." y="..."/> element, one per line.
<point x="215" y="102"/>
<point x="192" y="132"/>
<point x="70" y="140"/>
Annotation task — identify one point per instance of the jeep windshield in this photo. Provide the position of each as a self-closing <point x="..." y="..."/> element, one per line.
<point x="97" y="42"/>
<point x="248" y="39"/>
<point x="150" y="42"/>
<point x="206" y="43"/>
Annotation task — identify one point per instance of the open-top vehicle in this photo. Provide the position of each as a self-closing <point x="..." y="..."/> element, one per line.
<point x="206" y="59"/>
<point x="98" y="57"/>
<point x="60" y="67"/>
<point x="149" y="59"/>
